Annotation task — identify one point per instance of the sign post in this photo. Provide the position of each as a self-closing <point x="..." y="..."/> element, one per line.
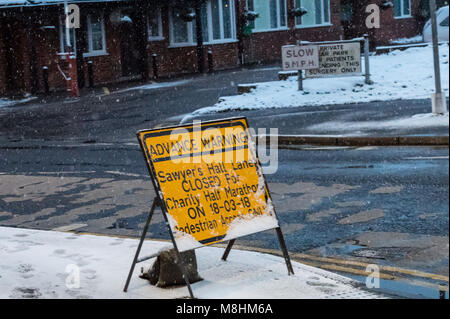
<point x="439" y="103"/>
<point x="210" y="186"/>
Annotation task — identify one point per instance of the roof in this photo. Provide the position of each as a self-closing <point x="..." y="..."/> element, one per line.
<point x="33" y="3"/>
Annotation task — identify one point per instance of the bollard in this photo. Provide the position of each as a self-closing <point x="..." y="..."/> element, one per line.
<point x="155" y="66"/>
<point x="91" y="73"/>
<point x="210" y="61"/>
<point x="300" y="80"/>
<point x="45" y="78"/>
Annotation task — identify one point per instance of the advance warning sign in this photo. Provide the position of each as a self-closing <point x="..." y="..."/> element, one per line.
<point x="209" y="181"/>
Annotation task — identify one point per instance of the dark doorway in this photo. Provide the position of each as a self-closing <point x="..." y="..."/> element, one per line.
<point x="129" y="45"/>
<point x="14" y="67"/>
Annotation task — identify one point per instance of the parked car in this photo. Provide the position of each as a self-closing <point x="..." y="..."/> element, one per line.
<point x="442" y="24"/>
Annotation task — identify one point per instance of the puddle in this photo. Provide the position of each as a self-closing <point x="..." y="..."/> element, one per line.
<point x="120" y="224"/>
<point x="332" y="250"/>
<point x="403" y="289"/>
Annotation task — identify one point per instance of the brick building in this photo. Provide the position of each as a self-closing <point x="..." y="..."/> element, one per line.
<point x="135" y="39"/>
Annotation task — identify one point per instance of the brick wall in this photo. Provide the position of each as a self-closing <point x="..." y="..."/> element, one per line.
<point x="3" y="77"/>
<point x="266" y="46"/>
<point x="391" y="28"/>
<point x="261" y="47"/>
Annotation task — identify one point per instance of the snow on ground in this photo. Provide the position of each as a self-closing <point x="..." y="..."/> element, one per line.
<point x="397" y="75"/>
<point x="416" y="121"/>
<point x="416" y="39"/>
<point x="155" y="85"/>
<point x="8" y="102"/>
<point x="46" y="264"/>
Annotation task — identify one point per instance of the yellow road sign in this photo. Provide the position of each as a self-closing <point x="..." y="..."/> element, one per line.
<point x="209" y="180"/>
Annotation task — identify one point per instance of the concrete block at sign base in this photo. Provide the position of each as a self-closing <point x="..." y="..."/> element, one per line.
<point x="245" y="88"/>
<point x="285" y="75"/>
<point x="166" y="271"/>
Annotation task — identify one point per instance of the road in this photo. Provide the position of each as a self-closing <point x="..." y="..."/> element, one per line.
<point x="389" y="204"/>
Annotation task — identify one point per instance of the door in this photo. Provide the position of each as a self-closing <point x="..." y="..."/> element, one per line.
<point x="129" y="45"/>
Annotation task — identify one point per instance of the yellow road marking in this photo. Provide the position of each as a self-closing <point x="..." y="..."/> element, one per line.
<point x="381" y="275"/>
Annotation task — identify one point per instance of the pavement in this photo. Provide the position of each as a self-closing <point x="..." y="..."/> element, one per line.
<point x="48" y="264"/>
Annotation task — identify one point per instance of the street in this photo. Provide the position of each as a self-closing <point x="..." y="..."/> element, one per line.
<point x="328" y="199"/>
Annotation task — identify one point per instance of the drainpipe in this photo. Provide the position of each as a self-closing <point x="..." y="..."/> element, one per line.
<point x="199" y="27"/>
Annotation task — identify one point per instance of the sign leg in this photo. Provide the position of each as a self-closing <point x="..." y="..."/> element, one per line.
<point x="228" y="249"/>
<point x="180" y="261"/>
<point x="285" y="251"/>
<point x="183" y="271"/>
<point x="144" y="233"/>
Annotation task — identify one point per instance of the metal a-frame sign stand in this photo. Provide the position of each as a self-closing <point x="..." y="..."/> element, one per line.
<point x="159" y="202"/>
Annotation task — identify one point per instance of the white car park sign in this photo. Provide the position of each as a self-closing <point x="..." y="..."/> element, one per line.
<point x="338" y="59"/>
<point x="300" y="57"/>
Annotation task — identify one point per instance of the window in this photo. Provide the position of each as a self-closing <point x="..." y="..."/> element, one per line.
<point x="218" y="24"/>
<point x="272" y="14"/>
<point x="444" y="23"/>
<point x="402" y="8"/>
<point x="155" y="25"/>
<point x="96" y="35"/>
<point x="318" y="13"/>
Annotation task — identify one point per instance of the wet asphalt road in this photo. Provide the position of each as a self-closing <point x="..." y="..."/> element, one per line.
<point x="328" y="199"/>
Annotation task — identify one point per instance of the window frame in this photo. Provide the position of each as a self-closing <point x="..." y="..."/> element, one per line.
<point x="160" y="35"/>
<point x="317" y="25"/>
<point x="280" y="27"/>
<point x="191" y="27"/>
<point x="91" y="52"/>
<point x="402" y="10"/>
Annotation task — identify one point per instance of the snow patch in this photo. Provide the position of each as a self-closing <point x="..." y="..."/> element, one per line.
<point x="35" y="264"/>
<point x="153" y="86"/>
<point x="397" y="75"/>
<point x="416" y="121"/>
<point x="8" y="102"/>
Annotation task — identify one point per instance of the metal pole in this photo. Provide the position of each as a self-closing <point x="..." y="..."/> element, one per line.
<point x="287" y="259"/>
<point x="144" y="232"/>
<point x="228" y="249"/>
<point x="439" y="104"/>
<point x="66" y="22"/>
<point x="300" y="73"/>
<point x="366" y="58"/>
<point x="300" y="80"/>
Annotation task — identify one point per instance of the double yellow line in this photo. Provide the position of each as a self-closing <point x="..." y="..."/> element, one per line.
<point x="386" y="272"/>
<point x="355" y="267"/>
